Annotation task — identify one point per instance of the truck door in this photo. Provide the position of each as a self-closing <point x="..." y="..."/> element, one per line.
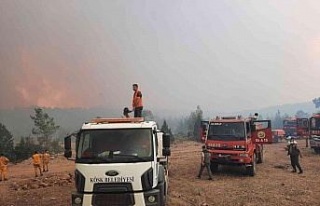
<point x="302" y="127"/>
<point x="261" y="131"/>
<point x="203" y="130"/>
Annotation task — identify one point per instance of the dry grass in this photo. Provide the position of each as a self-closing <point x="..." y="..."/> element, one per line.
<point x="274" y="184"/>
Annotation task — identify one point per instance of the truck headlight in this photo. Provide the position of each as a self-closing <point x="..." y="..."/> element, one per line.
<point x="78" y="200"/>
<point x="151" y="199"/>
<point x="243" y="155"/>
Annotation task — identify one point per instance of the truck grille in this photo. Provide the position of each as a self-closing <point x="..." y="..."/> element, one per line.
<point x="125" y="199"/>
<point x="113" y="194"/>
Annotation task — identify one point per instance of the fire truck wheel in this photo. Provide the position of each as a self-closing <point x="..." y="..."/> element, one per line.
<point x="161" y="187"/>
<point x="214" y="167"/>
<point x="251" y="170"/>
<point x="260" y="157"/>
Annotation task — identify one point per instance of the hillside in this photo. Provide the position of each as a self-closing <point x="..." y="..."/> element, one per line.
<point x="19" y="123"/>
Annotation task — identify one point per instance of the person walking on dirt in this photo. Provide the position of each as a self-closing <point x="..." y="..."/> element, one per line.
<point x="295" y="153"/>
<point x="205" y="162"/>
<point x="45" y="161"/>
<point x="137" y="104"/>
<point x="36" y="161"/>
<point x="4" y="167"/>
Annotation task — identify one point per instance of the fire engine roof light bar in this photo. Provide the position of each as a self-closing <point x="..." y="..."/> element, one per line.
<point x="117" y="120"/>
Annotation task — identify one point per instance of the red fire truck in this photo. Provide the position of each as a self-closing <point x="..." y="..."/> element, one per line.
<point x="314" y="130"/>
<point x="302" y="127"/>
<point x="203" y="130"/>
<point x="237" y="141"/>
<point x="290" y="126"/>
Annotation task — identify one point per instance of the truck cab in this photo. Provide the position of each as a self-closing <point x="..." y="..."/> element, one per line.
<point x="120" y="162"/>
<point x="203" y="130"/>
<point x="290" y="126"/>
<point x="314" y="129"/>
<point x="237" y="141"/>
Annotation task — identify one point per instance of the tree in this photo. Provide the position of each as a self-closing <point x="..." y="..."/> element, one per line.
<point x="25" y="148"/>
<point x="316" y="102"/>
<point x="195" y="122"/>
<point x="6" y="142"/>
<point x="301" y="114"/>
<point x="44" y="128"/>
<point x="148" y="115"/>
<point x="278" y="121"/>
<point x="165" y="128"/>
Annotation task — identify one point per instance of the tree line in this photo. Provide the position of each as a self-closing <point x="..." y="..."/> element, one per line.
<point x="41" y="139"/>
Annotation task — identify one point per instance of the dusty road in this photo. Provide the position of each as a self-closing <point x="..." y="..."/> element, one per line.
<point x="274" y="184"/>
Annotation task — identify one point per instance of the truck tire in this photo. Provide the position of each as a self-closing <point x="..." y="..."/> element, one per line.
<point x="162" y="184"/>
<point x="251" y="170"/>
<point x="214" y="167"/>
<point x="161" y="174"/>
<point x="260" y="157"/>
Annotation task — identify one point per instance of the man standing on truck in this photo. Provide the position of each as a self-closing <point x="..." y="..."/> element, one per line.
<point x="205" y="162"/>
<point x="137" y="104"/>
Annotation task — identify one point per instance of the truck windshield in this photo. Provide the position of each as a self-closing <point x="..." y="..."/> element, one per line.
<point x="302" y="123"/>
<point x="289" y="123"/>
<point x="115" y="146"/>
<point x="315" y="123"/>
<point x="226" y="131"/>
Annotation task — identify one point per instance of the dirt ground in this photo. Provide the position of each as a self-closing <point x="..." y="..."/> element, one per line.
<point x="274" y="184"/>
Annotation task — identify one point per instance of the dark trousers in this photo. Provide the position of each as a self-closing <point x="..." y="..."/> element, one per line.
<point x="295" y="163"/>
<point x="207" y="166"/>
<point x="138" y="112"/>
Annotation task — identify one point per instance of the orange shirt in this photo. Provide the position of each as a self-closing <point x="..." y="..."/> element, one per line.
<point x="3" y="161"/>
<point x="46" y="158"/>
<point x="36" y="159"/>
<point x="137" y="99"/>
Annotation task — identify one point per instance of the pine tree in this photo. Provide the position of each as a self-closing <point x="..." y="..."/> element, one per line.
<point x="25" y="148"/>
<point x="44" y="128"/>
<point x="165" y="128"/>
<point x="6" y="142"/>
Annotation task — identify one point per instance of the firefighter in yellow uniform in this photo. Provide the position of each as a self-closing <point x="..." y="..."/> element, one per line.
<point x="36" y="161"/>
<point x="45" y="161"/>
<point x="4" y="167"/>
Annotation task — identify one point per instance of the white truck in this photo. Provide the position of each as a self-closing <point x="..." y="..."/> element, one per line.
<point x="120" y="161"/>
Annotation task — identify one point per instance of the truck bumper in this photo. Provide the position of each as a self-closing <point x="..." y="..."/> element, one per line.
<point x="226" y="159"/>
<point x="148" y="198"/>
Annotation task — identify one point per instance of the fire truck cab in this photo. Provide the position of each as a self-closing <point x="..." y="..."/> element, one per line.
<point x="314" y="129"/>
<point x="120" y="161"/>
<point x="302" y="127"/>
<point x="290" y="126"/>
<point x="237" y="141"/>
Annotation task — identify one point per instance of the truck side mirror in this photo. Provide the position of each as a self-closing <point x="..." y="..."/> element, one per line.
<point x="166" y="140"/>
<point x="166" y="152"/>
<point x="67" y="147"/>
<point x="253" y="127"/>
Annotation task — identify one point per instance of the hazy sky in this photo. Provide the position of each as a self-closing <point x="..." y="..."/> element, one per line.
<point x="221" y="55"/>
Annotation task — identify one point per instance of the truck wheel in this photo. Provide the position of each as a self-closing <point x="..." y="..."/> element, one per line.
<point x="161" y="187"/>
<point x="214" y="167"/>
<point x="260" y="157"/>
<point x="251" y="170"/>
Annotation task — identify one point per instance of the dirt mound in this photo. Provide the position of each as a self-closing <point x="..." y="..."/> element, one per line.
<point x="48" y="181"/>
